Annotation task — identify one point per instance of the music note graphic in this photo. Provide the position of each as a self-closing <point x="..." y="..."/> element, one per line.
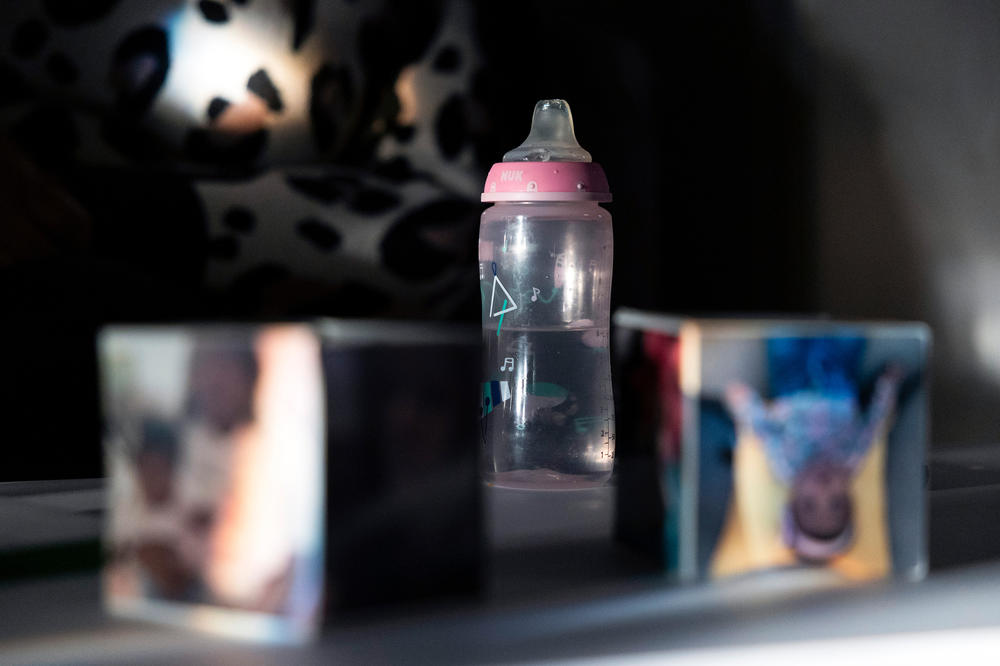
<point x="534" y="295"/>
<point x="508" y="365"/>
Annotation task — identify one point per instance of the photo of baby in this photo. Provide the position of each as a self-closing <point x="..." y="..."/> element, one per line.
<point x="214" y="449"/>
<point x="810" y="429"/>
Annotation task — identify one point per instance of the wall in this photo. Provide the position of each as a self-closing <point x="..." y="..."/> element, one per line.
<point x="907" y="99"/>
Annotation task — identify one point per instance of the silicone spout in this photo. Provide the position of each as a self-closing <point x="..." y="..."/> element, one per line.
<point x="552" y="138"/>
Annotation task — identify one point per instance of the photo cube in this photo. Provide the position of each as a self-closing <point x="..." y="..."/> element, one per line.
<point x="768" y="445"/>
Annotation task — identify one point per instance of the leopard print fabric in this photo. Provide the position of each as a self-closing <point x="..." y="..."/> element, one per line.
<point x="293" y="157"/>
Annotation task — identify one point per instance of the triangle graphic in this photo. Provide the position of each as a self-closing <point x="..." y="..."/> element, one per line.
<point x="510" y="301"/>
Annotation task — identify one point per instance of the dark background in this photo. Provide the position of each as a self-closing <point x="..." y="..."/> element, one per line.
<point x="760" y="154"/>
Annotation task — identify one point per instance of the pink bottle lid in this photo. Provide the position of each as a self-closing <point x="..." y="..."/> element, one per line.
<point x="546" y="181"/>
<point x="550" y="165"/>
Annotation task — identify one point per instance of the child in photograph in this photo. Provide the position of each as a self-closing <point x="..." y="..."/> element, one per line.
<point x="147" y="522"/>
<point x="808" y="465"/>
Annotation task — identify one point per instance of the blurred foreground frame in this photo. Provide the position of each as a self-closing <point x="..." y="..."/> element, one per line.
<point x="263" y="475"/>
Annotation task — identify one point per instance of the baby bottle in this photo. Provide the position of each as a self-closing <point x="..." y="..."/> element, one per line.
<point x="545" y="254"/>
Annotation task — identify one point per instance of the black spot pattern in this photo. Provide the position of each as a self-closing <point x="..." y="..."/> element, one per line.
<point x="341" y="109"/>
<point x="404" y="133"/>
<point x="408" y="253"/>
<point x="216" y="107"/>
<point x="370" y="201"/>
<point x="239" y="219"/>
<point x="331" y="95"/>
<point x="407" y="26"/>
<point x="447" y="60"/>
<point x="61" y="69"/>
<point x="225" y="148"/>
<point x="398" y="169"/>
<point x="360" y="199"/>
<point x="319" y="234"/>
<point x="224" y="247"/>
<point x="138" y="69"/>
<point x="304" y="13"/>
<point x="261" y="85"/>
<point x="326" y="189"/>
<point x="74" y="13"/>
<point x="214" y="12"/>
<point x="28" y="38"/>
<point x="398" y="36"/>
<point x="450" y="127"/>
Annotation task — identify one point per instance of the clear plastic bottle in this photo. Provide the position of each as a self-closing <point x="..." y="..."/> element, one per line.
<point x="545" y="256"/>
